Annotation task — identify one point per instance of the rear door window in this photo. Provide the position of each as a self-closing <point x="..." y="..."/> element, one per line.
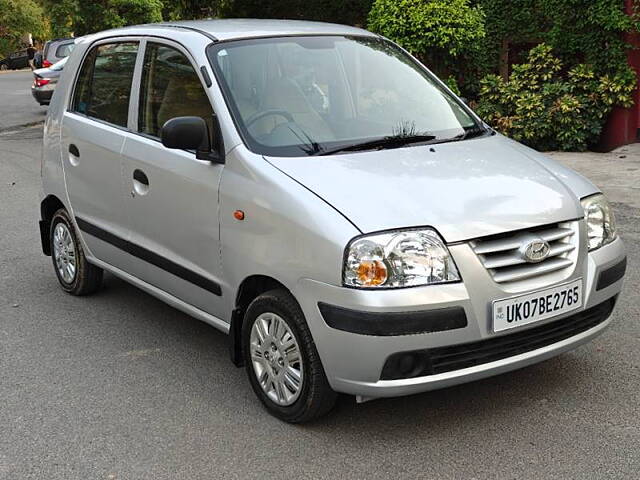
<point x="103" y="87"/>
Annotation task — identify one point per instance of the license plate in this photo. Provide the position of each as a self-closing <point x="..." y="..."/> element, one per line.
<point x="534" y="307"/>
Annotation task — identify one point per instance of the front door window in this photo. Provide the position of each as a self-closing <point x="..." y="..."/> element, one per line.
<point x="170" y="88"/>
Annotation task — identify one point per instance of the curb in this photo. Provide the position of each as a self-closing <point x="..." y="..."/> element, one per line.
<point x="21" y="70"/>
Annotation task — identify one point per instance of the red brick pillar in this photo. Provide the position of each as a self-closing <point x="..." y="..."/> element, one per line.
<point x="623" y="123"/>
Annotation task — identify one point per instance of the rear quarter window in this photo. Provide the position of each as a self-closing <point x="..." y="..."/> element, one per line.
<point x="103" y="86"/>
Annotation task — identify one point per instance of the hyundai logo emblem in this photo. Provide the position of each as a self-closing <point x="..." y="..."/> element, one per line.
<point x="535" y="250"/>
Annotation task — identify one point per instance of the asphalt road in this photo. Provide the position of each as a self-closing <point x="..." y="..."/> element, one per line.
<point x="17" y="106"/>
<point x="121" y="386"/>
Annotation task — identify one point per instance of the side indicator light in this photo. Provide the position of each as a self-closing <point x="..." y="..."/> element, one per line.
<point x="238" y="215"/>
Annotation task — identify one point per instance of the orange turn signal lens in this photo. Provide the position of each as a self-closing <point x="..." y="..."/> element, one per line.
<point x="372" y="273"/>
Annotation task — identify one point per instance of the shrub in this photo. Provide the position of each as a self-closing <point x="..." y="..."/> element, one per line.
<point x="452" y="83"/>
<point x="438" y="32"/>
<point x="547" y="108"/>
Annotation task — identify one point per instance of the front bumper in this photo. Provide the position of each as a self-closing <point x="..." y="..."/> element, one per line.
<point x="354" y="362"/>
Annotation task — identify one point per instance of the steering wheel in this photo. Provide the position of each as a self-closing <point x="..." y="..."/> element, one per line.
<point x="267" y="113"/>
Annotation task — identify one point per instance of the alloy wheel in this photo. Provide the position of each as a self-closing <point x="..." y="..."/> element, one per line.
<point x="276" y="359"/>
<point x="64" y="253"/>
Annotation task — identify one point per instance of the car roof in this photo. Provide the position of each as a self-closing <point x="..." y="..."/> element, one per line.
<point x="233" y="29"/>
<point x="68" y="39"/>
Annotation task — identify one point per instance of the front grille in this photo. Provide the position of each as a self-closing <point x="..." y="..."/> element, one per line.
<point x="501" y="257"/>
<point x="446" y="359"/>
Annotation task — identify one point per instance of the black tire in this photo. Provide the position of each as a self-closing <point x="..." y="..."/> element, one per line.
<point x="88" y="277"/>
<point x="316" y="397"/>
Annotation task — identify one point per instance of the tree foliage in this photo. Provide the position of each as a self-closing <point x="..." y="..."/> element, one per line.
<point x="104" y="14"/>
<point x="439" y="32"/>
<point x="192" y="9"/>
<point x="588" y="31"/>
<point x="350" y="12"/>
<point x="80" y="17"/>
<point x="61" y="15"/>
<point x="548" y="109"/>
<point x="17" y="18"/>
<point x="542" y="103"/>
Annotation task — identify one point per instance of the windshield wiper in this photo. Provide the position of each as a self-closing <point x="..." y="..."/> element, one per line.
<point x="312" y="147"/>
<point x="469" y="132"/>
<point x="379" y="143"/>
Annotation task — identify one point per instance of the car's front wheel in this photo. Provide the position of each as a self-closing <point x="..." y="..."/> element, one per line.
<point x="4" y="67"/>
<point x="75" y="274"/>
<point x="281" y="359"/>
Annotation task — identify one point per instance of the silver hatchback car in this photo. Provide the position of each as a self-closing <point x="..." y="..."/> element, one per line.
<point x="316" y="193"/>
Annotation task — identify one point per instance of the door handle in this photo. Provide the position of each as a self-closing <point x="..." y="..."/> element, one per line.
<point x="74" y="155"/>
<point x="141" y="177"/>
<point x="140" y="183"/>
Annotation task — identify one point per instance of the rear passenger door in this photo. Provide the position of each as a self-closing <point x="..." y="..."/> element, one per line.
<point x="93" y="133"/>
<point x="172" y="197"/>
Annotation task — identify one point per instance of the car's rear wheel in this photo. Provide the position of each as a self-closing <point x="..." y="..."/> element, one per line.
<point x="281" y="359"/>
<point x="75" y="274"/>
<point x="4" y="67"/>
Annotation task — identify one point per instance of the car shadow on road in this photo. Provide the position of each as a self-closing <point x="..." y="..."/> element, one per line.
<point x="481" y="400"/>
<point x="524" y="392"/>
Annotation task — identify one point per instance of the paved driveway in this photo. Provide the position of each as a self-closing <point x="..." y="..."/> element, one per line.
<point x="17" y="106"/>
<point x="121" y="386"/>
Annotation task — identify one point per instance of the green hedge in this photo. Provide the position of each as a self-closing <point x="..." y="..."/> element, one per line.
<point x="550" y="108"/>
<point x="442" y="33"/>
<point x="579" y="31"/>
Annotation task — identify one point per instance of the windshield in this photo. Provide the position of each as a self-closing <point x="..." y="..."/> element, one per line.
<point x="298" y="96"/>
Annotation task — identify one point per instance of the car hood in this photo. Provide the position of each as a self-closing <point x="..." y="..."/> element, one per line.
<point x="465" y="189"/>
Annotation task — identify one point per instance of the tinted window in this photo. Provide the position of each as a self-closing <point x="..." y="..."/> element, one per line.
<point x="64" y="50"/>
<point x="104" y="84"/>
<point x="170" y="88"/>
<point x="18" y="54"/>
<point x="83" y="84"/>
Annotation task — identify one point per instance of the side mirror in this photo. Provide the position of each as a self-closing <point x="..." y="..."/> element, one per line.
<point x="190" y="133"/>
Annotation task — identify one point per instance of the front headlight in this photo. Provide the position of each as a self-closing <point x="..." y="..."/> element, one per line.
<point x="601" y="223"/>
<point x="398" y="259"/>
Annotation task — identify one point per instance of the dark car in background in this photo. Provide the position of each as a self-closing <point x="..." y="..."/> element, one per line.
<point x="55" y="50"/>
<point x="45" y="80"/>
<point x="16" y="60"/>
